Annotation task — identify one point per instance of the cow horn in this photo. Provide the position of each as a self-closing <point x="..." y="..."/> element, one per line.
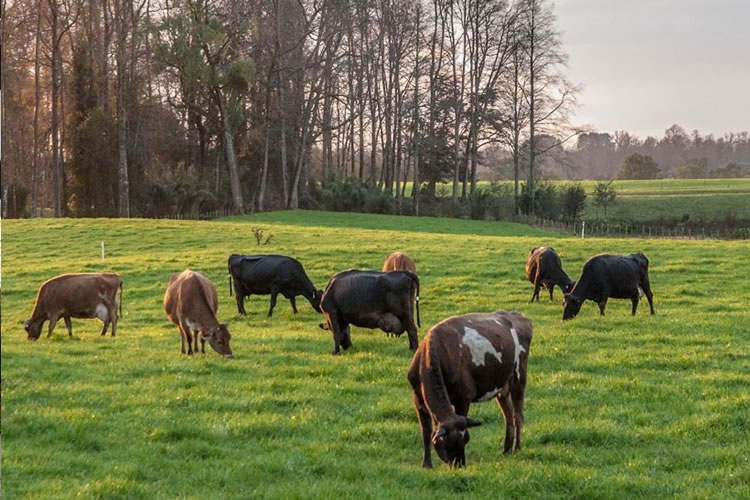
<point x="472" y="423"/>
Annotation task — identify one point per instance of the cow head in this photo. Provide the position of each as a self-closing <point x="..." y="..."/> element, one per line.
<point x="218" y="339"/>
<point x="315" y="300"/>
<point x="567" y="287"/>
<point x="33" y="329"/>
<point x="449" y="440"/>
<point x="572" y="305"/>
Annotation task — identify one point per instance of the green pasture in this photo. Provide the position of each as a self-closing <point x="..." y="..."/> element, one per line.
<point x="616" y="407"/>
<point x="648" y="200"/>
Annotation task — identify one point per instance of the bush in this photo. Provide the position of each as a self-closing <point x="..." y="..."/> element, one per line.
<point x="573" y="202"/>
<point x="350" y="194"/>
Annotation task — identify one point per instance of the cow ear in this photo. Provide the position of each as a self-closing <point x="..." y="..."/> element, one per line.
<point x="438" y="434"/>
<point x="470" y="422"/>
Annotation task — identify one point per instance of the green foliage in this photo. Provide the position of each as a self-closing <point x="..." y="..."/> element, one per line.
<point x="604" y="195"/>
<point x="573" y="202"/>
<point x="638" y="166"/>
<point x="351" y="194"/>
<point x="546" y="200"/>
<point x="616" y="407"/>
<point x="731" y="170"/>
<point x="695" y="168"/>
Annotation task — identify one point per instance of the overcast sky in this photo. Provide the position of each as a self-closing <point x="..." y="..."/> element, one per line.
<point x="647" y="64"/>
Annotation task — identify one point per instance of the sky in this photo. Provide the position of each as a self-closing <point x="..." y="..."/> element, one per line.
<point x="645" y="65"/>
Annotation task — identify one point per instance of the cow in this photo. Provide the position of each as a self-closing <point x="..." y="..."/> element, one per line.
<point x="544" y="269"/>
<point x="191" y="303"/>
<point x="399" y="261"/>
<point x="370" y="299"/>
<point x="604" y="276"/>
<point x="464" y="359"/>
<point x="75" y="295"/>
<point x="270" y="274"/>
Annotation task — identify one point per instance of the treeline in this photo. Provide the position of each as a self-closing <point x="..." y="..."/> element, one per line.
<point x="151" y="107"/>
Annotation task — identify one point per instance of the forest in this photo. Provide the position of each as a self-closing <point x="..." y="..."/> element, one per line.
<point x="145" y="108"/>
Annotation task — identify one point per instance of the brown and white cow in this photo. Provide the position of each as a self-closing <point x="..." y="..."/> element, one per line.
<point x="399" y="261"/>
<point x="191" y="303"/>
<point x="84" y="295"/>
<point x="465" y="359"/>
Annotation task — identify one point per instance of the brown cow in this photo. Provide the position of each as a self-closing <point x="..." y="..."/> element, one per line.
<point x="85" y="295"/>
<point x="465" y="359"/>
<point x="191" y="303"/>
<point x="399" y="261"/>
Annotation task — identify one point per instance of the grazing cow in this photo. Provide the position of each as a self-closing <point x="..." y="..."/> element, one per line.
<point x="85" y="295"/>
<point x="604" y="276"/>
<point x="274" y="274"/>
<point x="544" y="269"/>
<point x="399" y="261"/>
<point x="465" y="359"/>
<point x="191" y="303"/>
<point x="370" y="299"/>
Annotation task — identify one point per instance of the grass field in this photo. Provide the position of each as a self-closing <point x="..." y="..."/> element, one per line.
<point x="663" y="198"/>
<point x="616" y="407"/>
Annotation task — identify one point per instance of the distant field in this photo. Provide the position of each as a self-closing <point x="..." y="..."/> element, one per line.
<point x="661" y="198"/>
<point x="616" y="407"/>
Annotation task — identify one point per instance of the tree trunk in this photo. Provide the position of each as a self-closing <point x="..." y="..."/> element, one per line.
<point x="35" y="166"/>
<point x="234" y="175"/>
<point x="55" y="120"/>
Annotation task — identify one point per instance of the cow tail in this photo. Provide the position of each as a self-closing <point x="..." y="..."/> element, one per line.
<point x="230" y="285"/>
<point x="416" y="299"/>
<point x="120" y="298"/>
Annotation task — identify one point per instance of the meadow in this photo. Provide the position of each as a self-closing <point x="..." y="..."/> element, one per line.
<point x="616" y="407"/>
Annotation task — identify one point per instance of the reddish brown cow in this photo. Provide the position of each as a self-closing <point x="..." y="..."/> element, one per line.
<point x="191" y="303"/>
<point x="464" y="359"/>
<point x="399" y="261"/>
<point x="85" y="295"/>
<point x="544" y="269"/>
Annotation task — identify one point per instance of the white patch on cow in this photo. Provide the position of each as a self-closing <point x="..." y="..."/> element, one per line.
<point x="640" y="292"/>
<point x="101" y="312"/>
<point x="491" y="394"/>
<point x="519" y="350"/>
<point x="102" y="296"/>
<point x="479" y="346"/>
<point x="193" y="326"/>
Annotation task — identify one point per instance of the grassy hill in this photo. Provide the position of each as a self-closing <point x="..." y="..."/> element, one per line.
<point x="620" y="406"/>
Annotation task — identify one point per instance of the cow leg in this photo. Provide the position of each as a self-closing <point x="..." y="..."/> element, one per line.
<point x="635" y="298"/>
<point x="551" y="289"/>
<point x="425" y="425"/>
<point x="182" y="338"/>
<point x="52" y="322"/>
<point x="185" y="336"/>
<point x="506" y="405"/>
<point x="113" y="315"/>
<point x="346" y="342"/>
<point x="68" y="325"/>
<point x="411" y="331"/>
<point x="646" y="286"/>
<point x="537" y="286"/>
<point x="104" y="328"/>
<point x="273" y="303"/>
<point x="517" y="395"/>
<point x="333" y="326"/>
<point x="294" y="304"/>
<point x="240" y="302"/>
<point x="602" y="305"/>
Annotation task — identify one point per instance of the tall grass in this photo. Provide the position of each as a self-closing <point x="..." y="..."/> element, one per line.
<point x="620" y="406"/>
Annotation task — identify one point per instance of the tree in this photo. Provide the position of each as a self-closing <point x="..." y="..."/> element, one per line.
<point x="604" y="195"/>
<point x="695" y="168"/>
<point x="638" y="166"/>
<point x="573" y="202"/>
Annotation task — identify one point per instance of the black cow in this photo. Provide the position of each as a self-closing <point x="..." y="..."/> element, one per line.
<point x="544" y="269"/>
<point x="371" y="299"/>
<point x="604" y="276"/>
<point x="270" y="274"/>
